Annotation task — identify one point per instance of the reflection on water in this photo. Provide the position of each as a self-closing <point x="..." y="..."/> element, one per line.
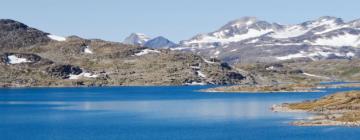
<point x="181" y="108"/>
<point x="198" y="109"/>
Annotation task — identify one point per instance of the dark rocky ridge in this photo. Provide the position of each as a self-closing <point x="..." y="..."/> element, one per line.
<point x="14" y="35"/>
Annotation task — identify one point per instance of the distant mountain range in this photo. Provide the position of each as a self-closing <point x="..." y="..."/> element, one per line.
<point x="318" y="50"/>
<point x="252" y="40"/>
<point x="140" y="39"/>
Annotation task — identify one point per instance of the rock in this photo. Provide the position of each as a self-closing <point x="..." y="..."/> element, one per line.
<point x="63" y="71"/>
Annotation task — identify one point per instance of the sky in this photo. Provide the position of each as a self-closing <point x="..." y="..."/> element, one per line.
<point x="177" y="20"/>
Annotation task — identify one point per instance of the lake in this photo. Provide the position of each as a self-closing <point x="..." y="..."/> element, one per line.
<point x="154" y="113"/>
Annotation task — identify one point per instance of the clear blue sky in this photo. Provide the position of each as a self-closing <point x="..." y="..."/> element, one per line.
<point x="175" y="19"/>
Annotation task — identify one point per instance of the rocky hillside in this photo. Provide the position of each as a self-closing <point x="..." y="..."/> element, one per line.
<point x="252" y="40"/>
<point x="30" y="57"/>
<point x="302" y="71"/>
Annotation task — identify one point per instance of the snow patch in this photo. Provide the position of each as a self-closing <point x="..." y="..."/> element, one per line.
<point x="317" y="76"/>
<point x="291" y="56"/>
<point x="208" y="61"/>
<point x="217" y="53"/>
<point x="270" y="68"/>
<point x="254" y="40"/>
<point x="84" y="74"/>
<point x="195" y="67"/>
<point x="339" y="41"/>
<point x="13" y="59"/>
<point x="332" y="28"/>
<point x="350" y="54"/>
<point x="303" y="54"/>
<point x="87" y="50"/>
<point x="212" y="39"/>
<point x="280" y="44"/>
<point x="199" y="73"/>
<point x="195" y="84"/>
<point x="57" y="38"/>
<point x="146" y="51"/>
<point x="290" y="31"/>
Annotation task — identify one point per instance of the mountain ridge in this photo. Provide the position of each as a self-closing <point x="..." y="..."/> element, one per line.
<point x="321" y="38"/>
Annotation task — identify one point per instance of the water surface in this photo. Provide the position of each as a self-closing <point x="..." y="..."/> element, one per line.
<point x="154" y="113"/>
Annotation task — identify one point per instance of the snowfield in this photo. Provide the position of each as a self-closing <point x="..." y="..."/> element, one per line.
<point x="290" y="31"/>
<point x="313" y="54"/>
<point x="339" y="41"/>
<point x="146" y="51"/>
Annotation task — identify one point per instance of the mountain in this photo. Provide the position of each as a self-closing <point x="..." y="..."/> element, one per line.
<point x="252" y="40"/>
<point x="30" y="57"/>
<point x="160" y="42"/>
<point x="138" y="39"/>
<point x="143" y="40"/>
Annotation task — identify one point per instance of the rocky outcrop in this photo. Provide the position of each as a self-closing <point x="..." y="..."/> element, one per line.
<point x="23" y="59"/>
<point x="337" y="109"/>
<point x="14" y="35"/>
<point x="63" y="71"/>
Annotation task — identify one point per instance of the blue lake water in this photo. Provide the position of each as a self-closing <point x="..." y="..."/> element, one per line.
<point x="154" y="113"/>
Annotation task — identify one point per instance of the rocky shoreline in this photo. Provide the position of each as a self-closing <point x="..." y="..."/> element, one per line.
<point x="340" y="109"/>
<point x="275" y="88"/>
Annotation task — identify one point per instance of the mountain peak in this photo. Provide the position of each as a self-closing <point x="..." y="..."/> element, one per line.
<point x="159" y="42"/>
<point x="329" y="20"/>
<point x="242" y="22"/>
<point x="136" y="39"/>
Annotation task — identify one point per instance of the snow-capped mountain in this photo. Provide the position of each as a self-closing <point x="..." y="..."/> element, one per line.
<point x="160" y="42"/>
<point x="138" y="39"/>
<point x="250" y="39"/>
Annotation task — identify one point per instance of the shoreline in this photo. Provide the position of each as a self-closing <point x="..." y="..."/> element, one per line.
<point x="261" y="92"/>
<point x="330" y="110"/>
<point x="102" y="86"/>
<point x="280" y="88"/>
<point x="316" y="88"/>
<point x="274" y="88"/>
